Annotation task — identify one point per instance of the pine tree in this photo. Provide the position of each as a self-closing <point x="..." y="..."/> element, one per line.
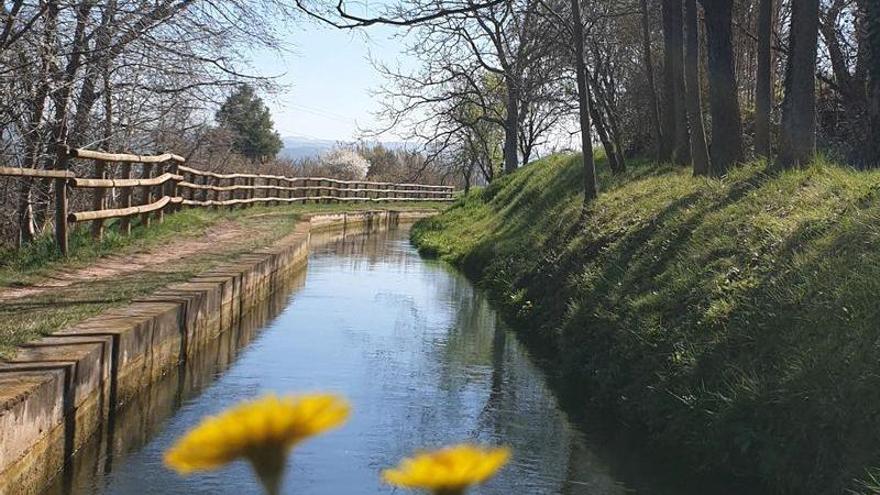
<point x="245" y="116"/>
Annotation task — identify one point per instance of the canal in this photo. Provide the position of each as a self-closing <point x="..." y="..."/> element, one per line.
<point x="412" y="344"/>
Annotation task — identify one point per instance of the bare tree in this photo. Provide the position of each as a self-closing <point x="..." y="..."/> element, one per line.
<point x="112" y="74"/>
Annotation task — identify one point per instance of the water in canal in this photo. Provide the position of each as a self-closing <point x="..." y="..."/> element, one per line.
<point x="412" y="344"/>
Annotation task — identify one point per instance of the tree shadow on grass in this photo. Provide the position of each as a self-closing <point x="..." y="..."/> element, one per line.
<point x="787" y="386"/>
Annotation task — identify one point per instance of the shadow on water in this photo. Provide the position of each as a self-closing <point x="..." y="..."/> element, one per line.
<point x="424" y="359"/>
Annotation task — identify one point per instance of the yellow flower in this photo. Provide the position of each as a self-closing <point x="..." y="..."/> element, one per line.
<point x="262" y="431"/>
<point x="449" y="470"/>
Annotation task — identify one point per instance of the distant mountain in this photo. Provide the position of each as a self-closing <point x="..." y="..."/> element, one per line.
<point x="298" y="147"/>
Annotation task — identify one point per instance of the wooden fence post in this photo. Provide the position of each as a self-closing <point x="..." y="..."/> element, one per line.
<point x="160" y="189"/>
<point x="174" y="168"/>
<point x="125" y="196"/>
<point x="203" y="193"/>
<point x="215" y="194"/>
<point x="61" y="215"/>
<point x="147" y="193"/>
<point x="98" y="200"/>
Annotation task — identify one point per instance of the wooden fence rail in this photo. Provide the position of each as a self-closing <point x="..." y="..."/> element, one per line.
<point x="166" y="185"/>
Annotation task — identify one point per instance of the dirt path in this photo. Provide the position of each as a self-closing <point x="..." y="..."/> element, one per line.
<point x="61" y="296"/>
<point x="219" y="238"/>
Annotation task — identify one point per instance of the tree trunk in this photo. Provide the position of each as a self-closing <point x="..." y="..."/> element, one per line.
<point x="602" y="131"/>
<point x="601" y="110"/>
<point x="727" y="140"/>
<point x="34" y="137"/>
<point x="60" y="129"/>
<point x="511" y="128"/>
<point x="527" y="154"/>
<point x="26" y="231"/>
<point x="654" y="109"/>
<point x="872" y="28"/>
<point x="763" y="83"/>
<point x="616" y="138"/>
<point x="674" y="113"/>
<point x="699" y="149"/>
<point x="591" y="187"/>
<point x="797" y="144"/>
<point x="682" y="152"/>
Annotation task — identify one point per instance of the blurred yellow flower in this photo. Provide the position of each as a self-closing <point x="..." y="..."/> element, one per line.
<point x="450" y="470"/>
<point x="262" y="431"/>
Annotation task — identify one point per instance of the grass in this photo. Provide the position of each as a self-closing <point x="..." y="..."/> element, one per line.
<point x="23" y="319"/>
<point x="736" y="321"/>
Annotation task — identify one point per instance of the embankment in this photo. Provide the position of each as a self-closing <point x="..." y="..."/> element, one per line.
<point x="735" y="321"/>
<point x="56" y="393"/>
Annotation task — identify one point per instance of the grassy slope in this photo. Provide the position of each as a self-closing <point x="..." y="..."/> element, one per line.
<point x="27" y="318"/>
<point x="736" y="321"/>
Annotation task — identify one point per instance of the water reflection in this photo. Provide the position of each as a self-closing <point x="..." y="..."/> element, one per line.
<point x="419" y="352"/>
<point x="138" y="421"/>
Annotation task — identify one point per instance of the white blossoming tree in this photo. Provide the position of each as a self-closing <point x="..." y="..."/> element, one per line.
<point x="345" y="164"/>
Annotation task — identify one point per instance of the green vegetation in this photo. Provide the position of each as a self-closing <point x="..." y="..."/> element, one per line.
<point x="41" y="292"/>
<point x="736" y="321"/>
<point x="246" y="118"/>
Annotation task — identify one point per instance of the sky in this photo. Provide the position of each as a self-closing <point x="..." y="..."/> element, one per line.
<point x="327" y="80"/>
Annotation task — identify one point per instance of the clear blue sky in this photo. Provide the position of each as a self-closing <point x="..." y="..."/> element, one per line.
<point x="327" y="80"/>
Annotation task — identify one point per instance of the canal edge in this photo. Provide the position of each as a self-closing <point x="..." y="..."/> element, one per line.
<point x="58" y="391"/>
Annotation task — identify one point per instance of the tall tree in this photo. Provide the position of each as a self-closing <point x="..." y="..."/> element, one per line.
<point x="872" y="27"/>
<point x="727" y="140"/>
<point x="247" y="118"/>
<point x="797" y="144"/>
<point x="699" y="149"/>
<point x="763" y="81"/>
<point x="675" y="113"/>
<point x="654" y="105"/>
<point x="591" y="185"/>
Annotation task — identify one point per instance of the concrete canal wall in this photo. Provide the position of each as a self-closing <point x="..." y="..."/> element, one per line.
<point x="57" y="392"/>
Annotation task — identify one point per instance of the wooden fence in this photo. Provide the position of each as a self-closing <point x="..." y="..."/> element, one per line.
<point x="165" y="184"/>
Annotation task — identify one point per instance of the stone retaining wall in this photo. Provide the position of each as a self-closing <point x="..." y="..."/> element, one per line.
<point x="57" y="392"/>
